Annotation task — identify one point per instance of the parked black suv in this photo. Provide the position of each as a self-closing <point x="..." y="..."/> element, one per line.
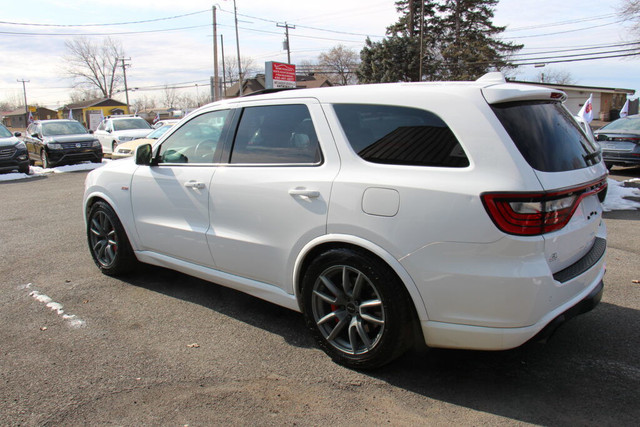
<point x="13" y="152"/>
<point x="57" y="142"/>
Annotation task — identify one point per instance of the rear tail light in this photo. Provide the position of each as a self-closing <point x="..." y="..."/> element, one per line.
<point x="531" y="214"/>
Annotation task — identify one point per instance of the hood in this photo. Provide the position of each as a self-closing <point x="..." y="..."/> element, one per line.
<point x="70" y="138"/>
<point x="9" y="142"/>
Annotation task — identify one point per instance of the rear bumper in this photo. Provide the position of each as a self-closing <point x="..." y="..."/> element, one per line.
<point x="617" y="157"/>
<point x="449" y="335"/>
<point x="585" y="305"/>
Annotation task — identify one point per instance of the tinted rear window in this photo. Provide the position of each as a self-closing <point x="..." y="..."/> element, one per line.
<point x="547" y="136"/>
<point x="400" y="136"/>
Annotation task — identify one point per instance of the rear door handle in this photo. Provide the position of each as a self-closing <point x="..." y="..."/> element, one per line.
<point x="303" y="192"/>
<point x="194" y="184"/>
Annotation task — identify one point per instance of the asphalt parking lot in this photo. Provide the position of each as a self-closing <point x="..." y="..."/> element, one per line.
<point x="161" y="348"/>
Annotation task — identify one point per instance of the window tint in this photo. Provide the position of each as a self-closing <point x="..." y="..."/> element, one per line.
<point x="4" y="132"/>
<point x="276" y="134"/>
<point x="129" y="124"/>
<point x="400" y="135"/>
<point x="62" y="128"/>
<point x="196" y="141"/>
<point x="547" y="136"/>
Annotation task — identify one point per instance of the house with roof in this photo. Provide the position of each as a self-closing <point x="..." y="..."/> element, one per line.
<point x="606" y="101"/>
<point x="19" y="118"/>
<point x="258" y="83"/>
<point x="91" y="112"/>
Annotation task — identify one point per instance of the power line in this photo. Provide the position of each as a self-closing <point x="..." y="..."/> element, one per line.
<point x="560" y="23"/>
<point x="102" y="25"/>
<point x="566" y="31"/>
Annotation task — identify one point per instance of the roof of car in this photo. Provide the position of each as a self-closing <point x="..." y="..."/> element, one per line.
<point x="493" y="86"/>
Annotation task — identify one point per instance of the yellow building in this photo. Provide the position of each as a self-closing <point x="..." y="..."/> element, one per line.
<point x="90" y="113"/>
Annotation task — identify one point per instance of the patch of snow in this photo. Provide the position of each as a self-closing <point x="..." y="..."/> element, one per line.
<point x="73" y="320"/>
<point x="39" y="171"/>
<point x="616" y="196"/>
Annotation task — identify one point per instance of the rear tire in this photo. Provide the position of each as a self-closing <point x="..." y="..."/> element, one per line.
<point x="357" y="309"/>
<point x="108" y="242"/>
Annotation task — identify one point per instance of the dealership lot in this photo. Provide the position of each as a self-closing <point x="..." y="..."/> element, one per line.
<point x="167" y="349"/>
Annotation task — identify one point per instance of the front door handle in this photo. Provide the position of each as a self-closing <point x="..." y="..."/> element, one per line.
<point x="194" y="184"/>
<point x="303" y="192"/>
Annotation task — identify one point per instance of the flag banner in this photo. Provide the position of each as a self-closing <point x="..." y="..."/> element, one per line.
<point x="624" y="112"/>
<point x="586" y="112"/>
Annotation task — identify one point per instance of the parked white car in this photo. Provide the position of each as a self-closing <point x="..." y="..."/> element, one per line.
<point x="115" y="130"/>
<point x="467" y="211"/>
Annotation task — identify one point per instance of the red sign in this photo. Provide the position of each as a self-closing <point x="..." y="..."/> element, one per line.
<point x="279" y="75"/>
<point x="283" y="72"/>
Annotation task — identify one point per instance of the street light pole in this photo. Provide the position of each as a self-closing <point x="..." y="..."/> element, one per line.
<point x="235" y="13"/>
<point x="215" y="90"/>
<point x="26" y="108"/>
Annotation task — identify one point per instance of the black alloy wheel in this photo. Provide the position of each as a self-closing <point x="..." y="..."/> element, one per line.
<point x="357" y="309"/>
<point x="108" y="242"/>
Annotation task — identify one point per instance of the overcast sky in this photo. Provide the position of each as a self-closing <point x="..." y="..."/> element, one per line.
<point x="174" y="51"/>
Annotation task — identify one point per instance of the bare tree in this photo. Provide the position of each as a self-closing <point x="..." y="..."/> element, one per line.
<point x="561" y="77"/>
<point x="170" y="97"/>
<point x="84" y="93"/>
<point x="143" y="103"/>
<point x="10" y="103"/>
<point x="629" y="10"/>
<point x="339" y="65"/>
<point x="248" y="65"/>
<point x="94" y="66"/>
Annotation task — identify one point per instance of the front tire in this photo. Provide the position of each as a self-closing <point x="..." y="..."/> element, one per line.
<point x="108" y="242"/>
<point x="357" y="309"/>
<point x="44" y="158"/>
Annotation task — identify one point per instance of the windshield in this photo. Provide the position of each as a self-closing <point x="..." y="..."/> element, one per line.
<point x="62" y="128"/>
<point x="624" y="124"/>
<point x="4" y="132"/>
<point x="159" y="132"/>
<point x="132" y="123"/>
<point x="547" y="135"/>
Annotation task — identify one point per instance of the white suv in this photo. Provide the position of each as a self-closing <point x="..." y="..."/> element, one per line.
<point x="115" y="130"/>
<point x="466" y="212"/>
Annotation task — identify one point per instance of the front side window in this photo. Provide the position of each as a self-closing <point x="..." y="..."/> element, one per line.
<point x="276" y="134"/>
<point x="400" y="136"/>
<point x="196" y="141"/>
<point x="547" y="135"/>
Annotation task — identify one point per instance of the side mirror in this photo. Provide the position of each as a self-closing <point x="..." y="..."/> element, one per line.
<point x="35" y="135"/>
<point x="17" y="134"/>
<point x="90" y="131"/>
<point x="109" y="130"/>
<point x="143" y="155"/>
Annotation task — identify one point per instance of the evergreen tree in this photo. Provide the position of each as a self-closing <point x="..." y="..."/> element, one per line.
<point x="469" y="46"/>
<point x="459" y="42"/>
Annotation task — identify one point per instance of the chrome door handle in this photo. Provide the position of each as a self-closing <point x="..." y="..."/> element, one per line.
<point x="194" y="184"/>
<point x="303" y="192"/>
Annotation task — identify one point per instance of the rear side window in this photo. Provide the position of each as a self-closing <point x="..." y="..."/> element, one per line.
<point x="400" y="136"/>
<point x="547" y="136"/>
<point x="276" y="134"/>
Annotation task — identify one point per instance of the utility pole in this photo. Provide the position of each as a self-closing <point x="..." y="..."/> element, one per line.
<point x="235" y="14"/>
<point x="215" y="88"/>
<point x="286" y="41"/>
<point x="124" y="72"/>
<point x="224" y="71"/>
<point x="26" y="108"/>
